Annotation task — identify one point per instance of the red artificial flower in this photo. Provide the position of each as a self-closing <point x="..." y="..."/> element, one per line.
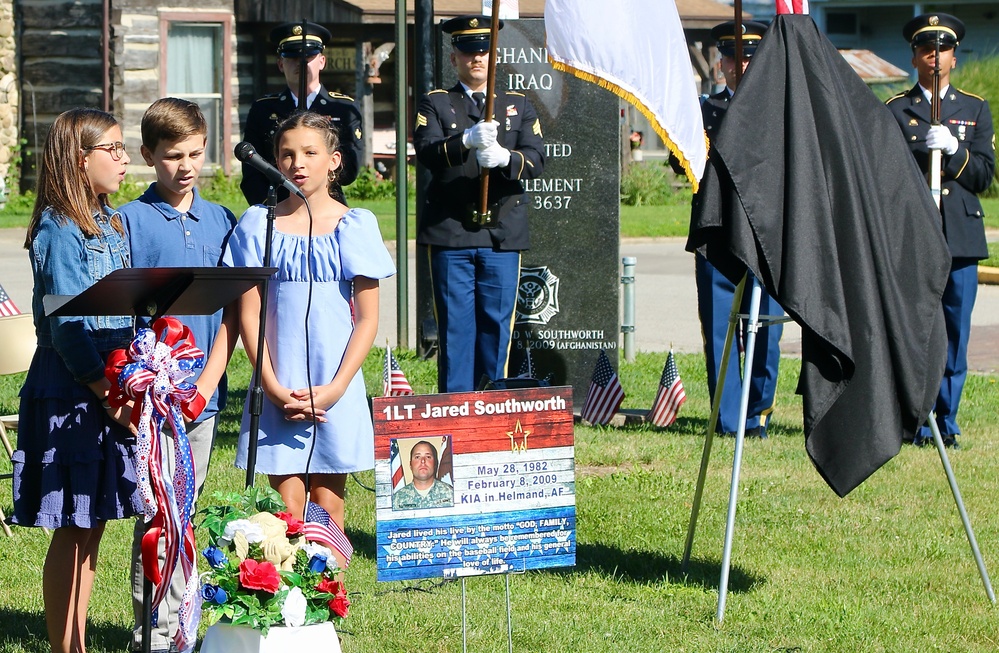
<point x="339" y="603"/>
<point x="259" y="576"/>
<point x="330" y="586"/>
<point x="295" y="526"/>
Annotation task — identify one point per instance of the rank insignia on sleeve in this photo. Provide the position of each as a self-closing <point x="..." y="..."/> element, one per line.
<point x="511" y="110"/>
<point x="421" y="120"/>
<point x="536" y="128"/>
<point x="357" y="134"/>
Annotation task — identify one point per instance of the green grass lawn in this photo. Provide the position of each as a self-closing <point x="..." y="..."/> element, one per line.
<point x="887" y="569"/>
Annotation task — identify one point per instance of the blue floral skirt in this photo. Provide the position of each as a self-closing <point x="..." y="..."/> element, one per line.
<point x="73" y="465"/>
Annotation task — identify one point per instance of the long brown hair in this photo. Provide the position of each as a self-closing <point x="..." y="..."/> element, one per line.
<point x="62" y="181"/>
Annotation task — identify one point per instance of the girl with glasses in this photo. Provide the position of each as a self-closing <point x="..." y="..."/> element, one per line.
<point x="74" y="465"/>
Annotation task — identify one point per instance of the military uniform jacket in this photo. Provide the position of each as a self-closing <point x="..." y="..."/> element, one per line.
<point x="446" y="217"/>
<point x="965" y="173"/>
<point x="713" y="110"/>
<point x="267" y="112"/>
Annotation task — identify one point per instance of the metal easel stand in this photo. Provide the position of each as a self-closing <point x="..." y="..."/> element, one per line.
<point x="509" y="617"/>
<point x="938" y="440"/>
<point x="754" y="323"/>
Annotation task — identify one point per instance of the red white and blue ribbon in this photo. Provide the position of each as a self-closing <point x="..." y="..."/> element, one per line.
<point x="153" y="372"/>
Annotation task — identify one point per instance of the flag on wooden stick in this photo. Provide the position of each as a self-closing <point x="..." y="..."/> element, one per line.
<point x="638" y="51"/>
<point x="394" y="382"/>
<point x="670" y="396"/>
<point x="605" y="394"/>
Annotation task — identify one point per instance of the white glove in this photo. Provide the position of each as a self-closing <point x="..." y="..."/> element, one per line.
<point x="940" y="138"/>
<point x="481" y="135"/>
<point x="494" y="156"/>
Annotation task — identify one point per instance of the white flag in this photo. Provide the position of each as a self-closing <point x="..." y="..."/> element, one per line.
<point x="637" y="50"/>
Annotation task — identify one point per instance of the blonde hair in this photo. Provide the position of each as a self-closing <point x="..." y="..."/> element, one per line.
<point x="62" y="182"/>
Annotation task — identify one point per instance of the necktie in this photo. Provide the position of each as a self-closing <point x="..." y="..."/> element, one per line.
<point x="480" y="101"/>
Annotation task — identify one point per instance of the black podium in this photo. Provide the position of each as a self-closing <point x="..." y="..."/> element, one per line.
<point x="153" y="293"/>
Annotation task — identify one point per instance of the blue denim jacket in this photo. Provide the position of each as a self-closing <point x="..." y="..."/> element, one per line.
<point x="65" y="262"/>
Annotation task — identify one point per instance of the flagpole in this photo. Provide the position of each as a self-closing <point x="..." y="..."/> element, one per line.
<point x="737" y="32"/>
<point x="935" y="155"/>
<point x="487" y="114"/>
<point x="388" y="370"/>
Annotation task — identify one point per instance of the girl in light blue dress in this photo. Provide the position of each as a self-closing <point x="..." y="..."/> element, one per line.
<point x="322" y="315"/>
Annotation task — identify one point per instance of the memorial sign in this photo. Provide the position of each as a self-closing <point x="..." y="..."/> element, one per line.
<point x="474" y="483"/>
<point x="568" y="305"/>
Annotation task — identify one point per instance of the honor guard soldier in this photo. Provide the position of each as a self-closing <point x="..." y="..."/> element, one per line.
<point x="300" y="46"/>
<point x="715" y="292"/>
<point x="475" y="259"/>
<point x="966" y="140"/>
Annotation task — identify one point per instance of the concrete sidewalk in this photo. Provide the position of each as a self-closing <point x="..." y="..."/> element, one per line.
<point x="666" y="300"/>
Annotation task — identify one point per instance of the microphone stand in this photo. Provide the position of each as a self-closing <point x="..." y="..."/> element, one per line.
<point x="256" y="397"/>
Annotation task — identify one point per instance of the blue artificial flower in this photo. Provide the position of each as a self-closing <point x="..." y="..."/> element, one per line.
<point x="215" y="557"/>
<point x="213" y="594"/>
<point x="317" y="564"/>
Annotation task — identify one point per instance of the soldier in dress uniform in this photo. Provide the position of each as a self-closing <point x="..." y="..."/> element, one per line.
<point x="966" y="140"/>
<point x="475" y="262"/>
<point x="715" y="292"/>
<point x="301" y="48"/>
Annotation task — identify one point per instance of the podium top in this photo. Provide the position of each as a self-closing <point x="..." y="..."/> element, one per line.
<point x="154" y="292"/>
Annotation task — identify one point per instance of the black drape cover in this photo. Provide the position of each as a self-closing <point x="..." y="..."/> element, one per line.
<point x="811" y="186"/>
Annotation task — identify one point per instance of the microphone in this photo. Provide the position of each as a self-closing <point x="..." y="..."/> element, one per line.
<point x="247" y="154"/>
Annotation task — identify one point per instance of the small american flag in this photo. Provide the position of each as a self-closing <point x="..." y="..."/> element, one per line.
<point x="320" y="528"/>
<point x="605" y="394"/>
<point x="670" y="396"/>
<point x="395" y="464"/>
<point x="7" y="307"/>
<point x="394" y="382"/>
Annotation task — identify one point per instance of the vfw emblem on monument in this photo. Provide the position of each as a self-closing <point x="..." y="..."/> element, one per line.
<point x="537" y="297"/>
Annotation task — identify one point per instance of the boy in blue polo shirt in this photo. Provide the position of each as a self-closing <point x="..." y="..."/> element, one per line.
<point x="170" y="225"/>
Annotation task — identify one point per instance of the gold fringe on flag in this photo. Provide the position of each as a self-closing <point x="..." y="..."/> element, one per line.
<point x="634" y="101"/>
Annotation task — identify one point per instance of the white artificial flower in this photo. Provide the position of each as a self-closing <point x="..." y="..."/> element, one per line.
<point x="293" y="609"/>
<point x="252" y="532"/>
<point x="312" y="549"/>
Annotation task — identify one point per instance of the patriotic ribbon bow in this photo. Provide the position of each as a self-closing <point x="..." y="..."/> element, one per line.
<point x="153" y="372"/>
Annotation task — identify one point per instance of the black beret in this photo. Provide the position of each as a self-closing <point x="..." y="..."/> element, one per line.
<point x="470" y="34"/>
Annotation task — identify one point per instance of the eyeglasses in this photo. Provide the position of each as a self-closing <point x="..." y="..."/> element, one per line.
<point x="116" y="149"/>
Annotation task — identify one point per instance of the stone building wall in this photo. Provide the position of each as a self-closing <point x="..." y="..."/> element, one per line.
<point x="9" y="95"/>
<point x="61" y="63"/>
